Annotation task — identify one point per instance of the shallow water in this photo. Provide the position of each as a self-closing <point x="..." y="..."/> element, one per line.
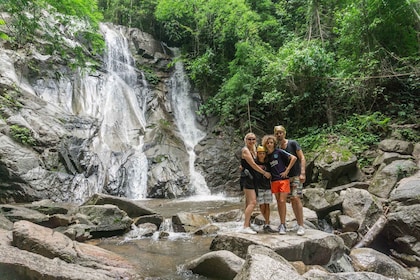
<point x="163" y="258"/>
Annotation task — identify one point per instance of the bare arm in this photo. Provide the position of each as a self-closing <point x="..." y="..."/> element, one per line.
<point x="246" y="154"/>
<point x="292" y="160"/>
<point x="302" y="159"/>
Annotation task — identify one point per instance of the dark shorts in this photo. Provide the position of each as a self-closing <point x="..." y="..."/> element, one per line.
<point x="246" y="183"/>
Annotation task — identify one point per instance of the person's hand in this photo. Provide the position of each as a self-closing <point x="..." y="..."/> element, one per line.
<point x="302" y="178"/>
<point x="284" y="174"/>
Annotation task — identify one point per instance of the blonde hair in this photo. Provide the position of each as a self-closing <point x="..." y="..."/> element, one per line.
<point x="250" y="134"/>
<point x="268" y="137"/>
<point x="280" y="128"/>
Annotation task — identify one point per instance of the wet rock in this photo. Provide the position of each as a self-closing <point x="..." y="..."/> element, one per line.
<point x="188" y="222"/>
<point x="218" y="264"/>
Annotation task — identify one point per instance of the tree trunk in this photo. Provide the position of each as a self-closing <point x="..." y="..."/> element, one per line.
<point x="373" y="232"/>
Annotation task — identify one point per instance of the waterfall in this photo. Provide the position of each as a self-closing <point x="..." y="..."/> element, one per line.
<point x="110" y="125"/>
<point x="184" y="113"/>
<point x="120" y="140"/>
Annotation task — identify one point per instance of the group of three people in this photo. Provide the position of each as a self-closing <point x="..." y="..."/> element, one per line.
<point x="275" y="167"/>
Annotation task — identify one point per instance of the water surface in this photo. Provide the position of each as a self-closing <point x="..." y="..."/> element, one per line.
<point x="163" y="258"/>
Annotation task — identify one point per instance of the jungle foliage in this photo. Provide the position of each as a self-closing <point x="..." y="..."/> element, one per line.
<point x="259" y="63"/>
<point x="301" y="63"/>
<point x="76" y="19"/>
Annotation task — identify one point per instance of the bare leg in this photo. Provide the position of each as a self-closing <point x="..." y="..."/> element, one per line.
<point x="297" y="209"/>
<point x="251" y="200"/>
<point x="281" y="205"/>
<point x="265" y="211"/>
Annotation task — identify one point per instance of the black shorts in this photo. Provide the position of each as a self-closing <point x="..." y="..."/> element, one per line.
<point x="246" y="182"/>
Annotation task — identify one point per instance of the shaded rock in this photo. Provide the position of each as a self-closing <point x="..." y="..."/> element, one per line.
<point x="321" y="201"/>
<point x="397" y="146"/>
<point x="49" y="207"/>
<point x="78" y="232"/>
<point x="16" y="213"/>
<point x="350" y="238"/>
<point x="403" y="232"/>
<point x="58" y="220"/>
<point x="263" y="263"/>
<point x="218" y="264"/>
<point x="154" y="219"/>
<point x="363" y="207"/>
<point x="386" y="158"/>
<point x="5" y="223"/>
<point x="369" y="260"/>
<point x="348" y="224"/>
<point x="337" y="167"/>
<point x="356" y="185"/>
<point x="385" y="179"/>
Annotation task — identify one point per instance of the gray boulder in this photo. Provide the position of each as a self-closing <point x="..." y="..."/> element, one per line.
<point x="315" y="247"/>
<point x="263" y="263"/>
<point x="369" y="260"/>
<point x="218" y="264"/>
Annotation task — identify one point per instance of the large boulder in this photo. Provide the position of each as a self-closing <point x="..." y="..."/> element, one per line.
<point x="263" y="263"/>
<point x="35" y="252"/>
<point x="363" y="207"/>
<point x="315" y="247"/>
<point x="337" y="166"/>
<point x="218" y="264"/>
<point x="130" y="207"/>
<point x="106" y="220"/>
<point x="386" y="178"/>
<point x="369" y="260"/>
<point x="402" y="230"/>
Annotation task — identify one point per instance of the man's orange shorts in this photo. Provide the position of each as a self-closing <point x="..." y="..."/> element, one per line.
<point x="280" y="186"/>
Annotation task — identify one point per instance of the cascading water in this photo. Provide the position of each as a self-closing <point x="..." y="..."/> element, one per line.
<point x="112" y="107"/>
<point x="183" y="108"/>
<point x="118" y="101"/>
<point x="120" y="139"/>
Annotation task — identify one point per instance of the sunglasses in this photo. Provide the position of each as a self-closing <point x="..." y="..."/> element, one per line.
<point x="250" y="139"/>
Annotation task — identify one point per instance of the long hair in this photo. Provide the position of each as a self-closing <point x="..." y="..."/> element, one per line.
<point x="250" y="134"/>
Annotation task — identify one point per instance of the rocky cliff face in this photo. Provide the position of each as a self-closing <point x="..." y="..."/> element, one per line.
<point x="67" y="134"/>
